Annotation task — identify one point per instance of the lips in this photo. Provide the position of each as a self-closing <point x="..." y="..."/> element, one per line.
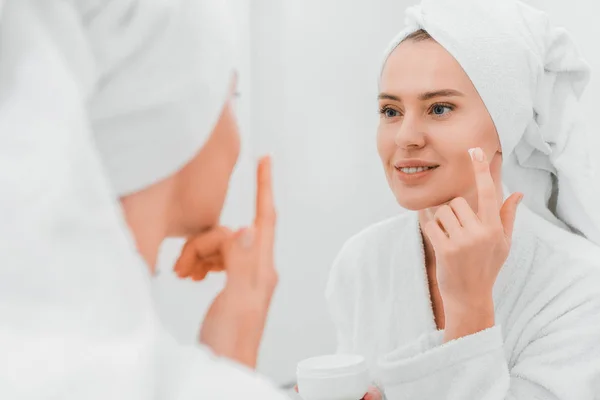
<point x="413" y="170"/>
<point x="414" y="164"/>
<point x="413" y="175"/>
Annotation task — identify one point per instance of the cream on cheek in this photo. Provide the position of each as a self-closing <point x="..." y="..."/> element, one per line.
<point x="451" y="138"/>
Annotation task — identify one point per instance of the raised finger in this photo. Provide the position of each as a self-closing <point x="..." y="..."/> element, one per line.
<point x="265" y="205"/>
<point x="487" y="203"/>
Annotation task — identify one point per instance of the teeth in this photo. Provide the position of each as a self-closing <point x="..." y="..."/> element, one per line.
<point x="414" y="170"/>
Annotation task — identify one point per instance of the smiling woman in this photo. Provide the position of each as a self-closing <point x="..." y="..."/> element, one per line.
<point x="461" y="298"/>
<point x="430" y="114"/>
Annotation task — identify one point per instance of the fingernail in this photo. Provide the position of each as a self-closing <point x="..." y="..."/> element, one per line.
<point x="476" y="154"/>
<point x="246" y="238"/>
<point x="520" y="198"/>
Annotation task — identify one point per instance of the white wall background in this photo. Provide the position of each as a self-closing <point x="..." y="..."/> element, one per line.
<point x="308" y="85"/>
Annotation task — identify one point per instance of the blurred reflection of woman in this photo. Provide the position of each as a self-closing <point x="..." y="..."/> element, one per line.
<point x="117" y="132"/>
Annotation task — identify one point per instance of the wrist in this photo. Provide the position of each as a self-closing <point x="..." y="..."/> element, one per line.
<point x="464" y="320"/>
<point x="466" y="308"/>
<point x="233" y="327"/>
<point x="250" y="329"/>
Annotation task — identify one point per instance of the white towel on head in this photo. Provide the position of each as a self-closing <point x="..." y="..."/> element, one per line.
<point x="151" y="117"/>
<point x="530" y="76"/>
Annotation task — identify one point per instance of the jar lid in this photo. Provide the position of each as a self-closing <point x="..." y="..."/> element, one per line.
<point x="332" y="365"/>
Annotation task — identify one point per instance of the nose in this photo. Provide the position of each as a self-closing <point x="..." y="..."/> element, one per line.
<point x="410" y="134"/>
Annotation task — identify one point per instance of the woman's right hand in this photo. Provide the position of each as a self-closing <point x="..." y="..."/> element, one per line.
<point x="234" y="324"/>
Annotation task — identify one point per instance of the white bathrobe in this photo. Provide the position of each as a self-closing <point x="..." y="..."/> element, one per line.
<point x="546" y="341"/>
<point x="76" y="314"/>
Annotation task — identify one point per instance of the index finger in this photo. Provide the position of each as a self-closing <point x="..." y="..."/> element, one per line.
<point x="265" y="205"/>
<point x="487" y="203"/>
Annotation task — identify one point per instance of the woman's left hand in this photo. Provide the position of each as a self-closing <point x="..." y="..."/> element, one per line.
<point x="470" y="249"/>
<point x="202" y="254"/>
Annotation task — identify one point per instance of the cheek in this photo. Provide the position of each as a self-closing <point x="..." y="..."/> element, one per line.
<point x="386" y="145"/>
<point x="453" y="138"/>
<point x="451" y="141"/>
<point x="483" y="130"/>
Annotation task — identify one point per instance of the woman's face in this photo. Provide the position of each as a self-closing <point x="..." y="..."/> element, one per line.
<point x="430" y="115"/>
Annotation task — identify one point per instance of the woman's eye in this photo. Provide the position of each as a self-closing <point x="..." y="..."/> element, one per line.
<point x="440" y="109"/>
<point x="390" y="112"/>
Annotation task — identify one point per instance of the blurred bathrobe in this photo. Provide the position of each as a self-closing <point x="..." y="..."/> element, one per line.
<point x="546" y="341"/>
<point x="87" y="87"/>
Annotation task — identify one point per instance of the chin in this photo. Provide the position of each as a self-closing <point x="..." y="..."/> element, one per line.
<point x="198" y="219"/>
<point x="205" y="223"/>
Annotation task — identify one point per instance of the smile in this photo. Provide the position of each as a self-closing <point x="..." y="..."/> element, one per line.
<point x="415" y="170"/>
<point x="415" y="175"/>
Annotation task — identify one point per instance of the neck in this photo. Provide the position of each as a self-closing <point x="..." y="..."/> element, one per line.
<point x="146" y="213"/>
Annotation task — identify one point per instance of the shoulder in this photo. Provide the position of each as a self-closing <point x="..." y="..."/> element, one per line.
<point x="562" y="262"/>
<point x="563" y="249"/>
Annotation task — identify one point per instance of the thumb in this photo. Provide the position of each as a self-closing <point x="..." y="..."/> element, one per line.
<point x="508" y="213"/>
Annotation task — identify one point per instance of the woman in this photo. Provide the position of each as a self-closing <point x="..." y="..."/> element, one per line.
<point x="123" y="135"/>
<point x="470" y="295"/>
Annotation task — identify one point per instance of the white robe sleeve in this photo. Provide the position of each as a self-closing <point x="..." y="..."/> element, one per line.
<point x="192" y="372"/>
<point x="560" y="361"/>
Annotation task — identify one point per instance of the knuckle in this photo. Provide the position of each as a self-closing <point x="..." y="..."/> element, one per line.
<point x="457" y="201"/>
<point x="444" y="209"/>
<point x="429" y="227"/>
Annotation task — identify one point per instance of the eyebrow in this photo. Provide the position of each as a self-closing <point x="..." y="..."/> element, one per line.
<point x="424" y="96"/>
